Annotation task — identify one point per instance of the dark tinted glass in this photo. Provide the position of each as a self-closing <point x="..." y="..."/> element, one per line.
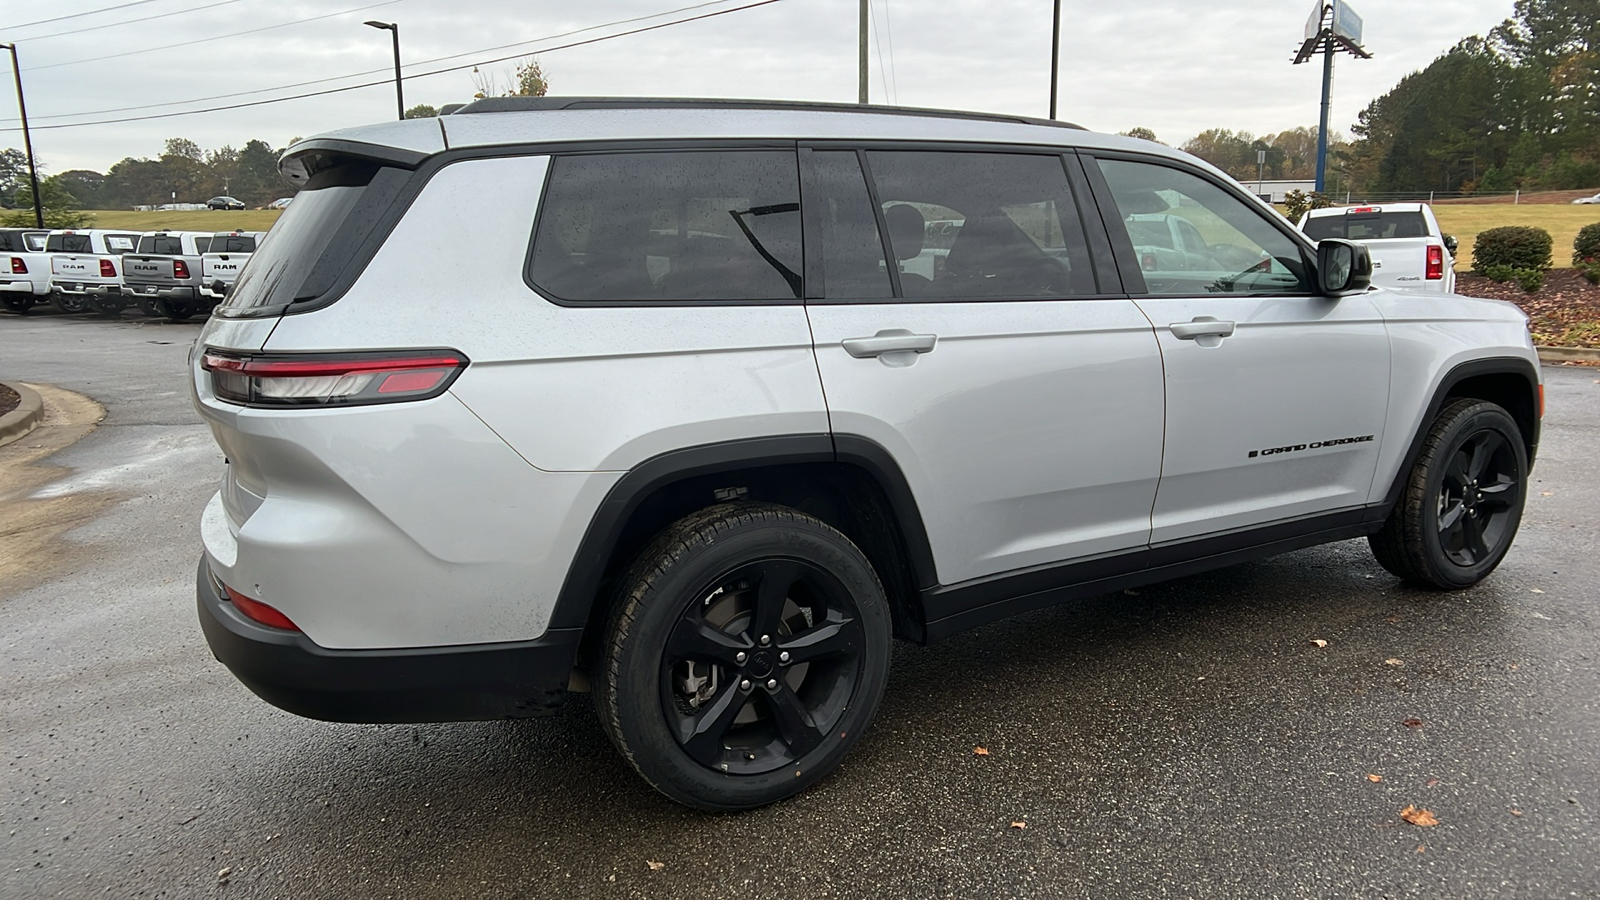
<point x="852" y="248"/>
<point x="68" y="243"/>
<point x="232" y="243"/>
<point x="1192" y="237"/>
<point x="11" y="241"/>
<point x="977" y="225"/>
<point x="697" y="225"/>
<point x="161" y="245"/>
<point x="202" y="244"/>
<point x="1367" y="226"/>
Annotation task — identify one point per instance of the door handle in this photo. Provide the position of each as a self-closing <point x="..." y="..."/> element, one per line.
<point x="890" y="340"/>
<point x="1202" y="326"/>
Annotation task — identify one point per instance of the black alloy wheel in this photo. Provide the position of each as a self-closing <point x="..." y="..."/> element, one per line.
<point x="761" y="666"/>
<point x="111" y="307"/>
<point x="745" y="654"/>
<point x="175" y="308"/>
<point x="147" y="305"/>
<point x="1462" y="502"/>
<point x="71" y="303"/>
<point x="17" y="305"/>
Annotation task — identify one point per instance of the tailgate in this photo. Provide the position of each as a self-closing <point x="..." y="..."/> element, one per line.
<point x="222" y="267"/>
<point x="147" y="268"/>
<point x="1399" y="260"/>
<point x="75" y="266"/>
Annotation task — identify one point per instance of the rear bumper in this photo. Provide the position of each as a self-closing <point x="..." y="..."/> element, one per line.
<point x="82" y="288"/>
<point x="171" y="292"/>
<point x="18" y="287"/>
<point x="428" y="684"/>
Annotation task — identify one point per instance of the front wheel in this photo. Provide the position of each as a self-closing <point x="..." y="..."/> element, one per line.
<point x="746" y="653"/>
<point x="1462" y="502"/>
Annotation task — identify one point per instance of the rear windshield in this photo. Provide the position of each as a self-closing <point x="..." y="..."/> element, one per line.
<point x="68" y="243"/>
<point x="161" y="245"/>
<point x="1367" y="226"/>
<point x="233" y="243"/>
<point x="11" y="241"/>
<point x="319" y="235"/>
<point x="118" y="244"/>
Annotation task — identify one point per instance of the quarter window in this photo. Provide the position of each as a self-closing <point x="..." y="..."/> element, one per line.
<point x="981" y="225"/>
<point x="670" y="226"/>
<point x="852" y="247"/>
<point x="1190" y="237"/>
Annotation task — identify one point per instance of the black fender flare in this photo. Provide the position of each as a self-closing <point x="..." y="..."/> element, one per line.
<point x="580" y="589"/>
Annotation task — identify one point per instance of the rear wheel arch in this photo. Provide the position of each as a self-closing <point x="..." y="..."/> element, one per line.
<point x="852" y="484"/>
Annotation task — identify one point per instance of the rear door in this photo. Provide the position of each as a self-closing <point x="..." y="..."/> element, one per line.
<point x="1018" y="392"/>
<point x="1276" y="396"/>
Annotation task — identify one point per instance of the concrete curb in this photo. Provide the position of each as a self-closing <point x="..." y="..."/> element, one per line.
<point x="26" y="417"/>
<point x="1568" y="354"/>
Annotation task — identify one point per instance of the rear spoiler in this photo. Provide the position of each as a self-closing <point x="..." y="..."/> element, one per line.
<point x="307" y="158"/>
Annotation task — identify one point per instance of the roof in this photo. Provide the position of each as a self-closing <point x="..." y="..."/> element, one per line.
<point x="523" y="121"/>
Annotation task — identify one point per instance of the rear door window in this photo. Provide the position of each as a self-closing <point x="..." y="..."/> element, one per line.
<point x="1366" y="226"/>
<point x="853" y="260"/>
<point x="669" y="226"/>
<point x="981" y="225"/>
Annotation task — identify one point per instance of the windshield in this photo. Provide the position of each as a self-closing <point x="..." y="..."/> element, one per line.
<point x="1367" y="226"/>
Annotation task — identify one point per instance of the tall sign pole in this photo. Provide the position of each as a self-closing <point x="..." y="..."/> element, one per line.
<point x="1333" y="28"/>
<point x="1055" y="57"/>
<point x="861" y="90"/>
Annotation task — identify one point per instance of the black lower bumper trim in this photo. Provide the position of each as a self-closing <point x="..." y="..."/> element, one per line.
<point x="427" y="684"/>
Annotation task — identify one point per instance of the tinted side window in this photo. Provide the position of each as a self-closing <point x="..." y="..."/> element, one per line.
<point x="852" y="247"/>
<point x="976" y="225"/>
<point x="1191" y="237"/>
<point x="670" y="226"/>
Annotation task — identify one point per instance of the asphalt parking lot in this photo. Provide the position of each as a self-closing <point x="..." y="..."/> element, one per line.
<point x="1186" y="740"/>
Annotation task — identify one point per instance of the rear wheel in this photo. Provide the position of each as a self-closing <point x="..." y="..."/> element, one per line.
<point x="745" y="655"/>
<point x="147" y="305"/>
<point x="1462" y="502"/>
<point x="175" y="308"/>
<point x="71" y="303"/>
<point x="16" y="304"/>
<point x="111" y="306"/>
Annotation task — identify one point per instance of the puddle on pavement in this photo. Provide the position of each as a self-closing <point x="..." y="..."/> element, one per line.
<point x="32" y="525"/>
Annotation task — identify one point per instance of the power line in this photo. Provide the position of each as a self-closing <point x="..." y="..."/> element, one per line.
<point x="209" y="39"/>
<point x="77" y="31"/>
<point x="387" y="82"/>
<point x="877" y="39"/>
<point x="92" y="12"/>
<point x="437" y="59"/>
<point x="888" y="31"/>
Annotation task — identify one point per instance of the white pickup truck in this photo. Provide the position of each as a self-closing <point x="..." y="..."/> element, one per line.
<point x="1408" y="248"/>
<point x="24" y="269"/>
<point x="220" y="265"/>
<point x="163" y="275"/>
<point x="85" y="265"/>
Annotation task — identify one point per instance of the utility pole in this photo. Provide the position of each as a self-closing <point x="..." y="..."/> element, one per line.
<point x="27" y="141"/>
<point x="861" y="90"/>
<point x="399" y="97"/>
<point x="1055" y="57"/>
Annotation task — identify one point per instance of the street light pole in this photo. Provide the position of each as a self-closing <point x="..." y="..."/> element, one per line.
<point x="394" y="30"/>
<point x="1055" y="57"/>
<point x="27" y="141"/>
<point x="861" y="56"/>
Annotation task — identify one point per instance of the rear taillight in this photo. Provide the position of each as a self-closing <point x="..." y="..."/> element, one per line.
<point x="327" y="379"/>
<point x="18" y="267"/>
<point x="256" y="611"/>
<point x="107" y="269"/>
<point x="179" y="269"/>
<point x="1435" y="263"/>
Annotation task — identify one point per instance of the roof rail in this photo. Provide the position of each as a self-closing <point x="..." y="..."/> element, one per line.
<point x="541" y="104"/>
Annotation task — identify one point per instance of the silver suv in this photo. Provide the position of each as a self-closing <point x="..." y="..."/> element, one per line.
<point x="694" y="418"/>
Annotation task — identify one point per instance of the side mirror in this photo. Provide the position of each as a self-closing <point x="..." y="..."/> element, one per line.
<point x="1343" y="267"/>
<point x="1450" y="243"/>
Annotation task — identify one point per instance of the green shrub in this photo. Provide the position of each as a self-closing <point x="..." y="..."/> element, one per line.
<point x="1517" y="246"/>
<point x="1295" y="203"/>
<point x="1499" y="272"/>
<point x="1586" y="246"/>
<point x="1529" y="280"/>
<point x="1590" y="271"/>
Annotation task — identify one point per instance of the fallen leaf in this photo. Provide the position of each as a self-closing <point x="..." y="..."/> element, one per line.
<point x="1319" y="642"/>
<point x="223" y="875"/>
<point x="1411" y="723"/>
<point x="1392" y="619"/>
<point x="1420" y="817"/>
<point x="1422" y="848"/>
<point x="1374" y="778"/>
<point x="1391" y="661"/>
<point x="1432" y="782"/>
<point x="1546" y="493"/>
<point x="980" y="751"/>
<point x="655" y="866"/>
<point x="1517" y="813"/>
<point x="1019" y="825"/>
<point x="1537" y="591"/>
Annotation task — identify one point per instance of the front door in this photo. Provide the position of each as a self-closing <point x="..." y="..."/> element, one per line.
<point x="1276" y="396"/>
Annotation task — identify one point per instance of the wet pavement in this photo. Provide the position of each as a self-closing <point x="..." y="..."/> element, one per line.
<point x="1186" y="740"/>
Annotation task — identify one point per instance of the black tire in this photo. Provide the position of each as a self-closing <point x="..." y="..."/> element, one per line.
<point x="111" y="307"/>
<point x="71" y="303"/>
<point x="765" y="720"/>
<point x="175" y="308"/>
<point x="147" y="305"/>
<point x="18" y="305"/>
<point x="1462" y="502"/>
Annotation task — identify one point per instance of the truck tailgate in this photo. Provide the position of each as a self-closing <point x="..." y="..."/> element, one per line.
<point x="147" y="269"/>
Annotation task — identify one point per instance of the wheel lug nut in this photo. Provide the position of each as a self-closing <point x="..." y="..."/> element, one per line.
<point x="744" y="685"/>
<point x="766" y="639"/>
<point x="740" y="657"/>
<point x="783" y="657"/>
<point x="772" y="684"/>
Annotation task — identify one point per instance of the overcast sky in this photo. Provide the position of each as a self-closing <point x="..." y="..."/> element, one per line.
<point x="1175" y="67"/>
